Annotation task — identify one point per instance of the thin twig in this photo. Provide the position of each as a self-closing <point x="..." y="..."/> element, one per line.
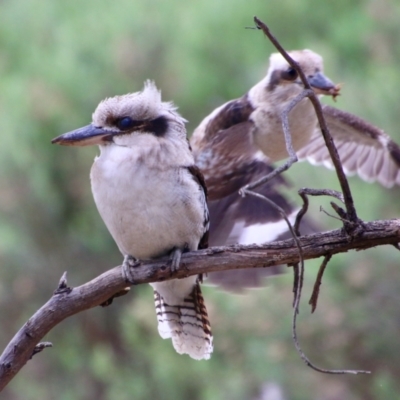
<point x="322" y="209"/>
<point x="304" y="193"/>
<point x="281" y="212"/>
<point x="318" y="281"/>
<point x="289" y="146"/>
<point x="351" y="212"/>
<point x="322" y="192"/>
<point x="298" y="280"/>
<point x="299" y="272"/>
<point x="348" y="198"/>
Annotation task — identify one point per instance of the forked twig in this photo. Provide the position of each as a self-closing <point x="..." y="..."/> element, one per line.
<point x="304" y="193"/>
<point x="347" y="196"/>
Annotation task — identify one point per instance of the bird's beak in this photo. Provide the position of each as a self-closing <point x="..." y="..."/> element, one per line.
<point x="86" y="136"/>
<point x="323" y="85"/>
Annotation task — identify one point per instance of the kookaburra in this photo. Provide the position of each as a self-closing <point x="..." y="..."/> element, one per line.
<point x="238" y="141"/>
<point x="152" y="199"/>
<point x="249" y="129"/>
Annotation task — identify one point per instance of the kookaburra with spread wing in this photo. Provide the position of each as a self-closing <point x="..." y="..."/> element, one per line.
<point x="238" y="141"/>
<point x="152" y="199"/>
<point x="252" y="124"/>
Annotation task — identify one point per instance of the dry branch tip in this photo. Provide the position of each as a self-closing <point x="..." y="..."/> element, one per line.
<point x="40" y="347"/>
<point x="62" y="285"/>
<point x="318" y="281"/>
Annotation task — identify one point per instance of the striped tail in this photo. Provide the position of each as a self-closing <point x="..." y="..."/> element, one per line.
<point x="187" y="324"/>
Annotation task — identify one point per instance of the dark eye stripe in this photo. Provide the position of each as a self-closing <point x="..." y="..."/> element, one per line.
<point x="157" y="126"/>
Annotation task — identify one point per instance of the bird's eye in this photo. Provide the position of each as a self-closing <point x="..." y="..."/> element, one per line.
<point x="125" y="123"/>
<point x="290" y="74"/>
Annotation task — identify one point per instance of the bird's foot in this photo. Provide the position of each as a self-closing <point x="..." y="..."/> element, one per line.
<point x="175" y="259"/>
<point x="128" y="265"/>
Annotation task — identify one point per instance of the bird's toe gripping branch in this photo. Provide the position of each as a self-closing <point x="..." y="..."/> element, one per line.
<point x="176" y="259"/>
<point x="128" y="266"/>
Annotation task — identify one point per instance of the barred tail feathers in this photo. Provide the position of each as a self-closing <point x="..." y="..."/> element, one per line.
<point x="186" y="324"/>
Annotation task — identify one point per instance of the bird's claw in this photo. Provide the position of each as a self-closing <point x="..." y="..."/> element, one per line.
<point x="128" y="265"/>
<point x="175" y="259"/>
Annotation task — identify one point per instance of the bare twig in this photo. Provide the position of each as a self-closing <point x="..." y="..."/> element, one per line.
<point x="298" y="279"/>
<point x="351" y="211"/>
<point x="322" y="209"/>
<point x="321" y="192"/>
<point x="281" y="212"/>
<point x="298" y="271"/>
<point x="348" y="198"/>
<point x="304" y="193"/>
<point x="289" y="147"/>
<point x="315" y="293"/>
<point x="310" y="364"/>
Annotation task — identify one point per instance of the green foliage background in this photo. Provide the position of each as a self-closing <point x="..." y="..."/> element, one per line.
<point x="57" y="61"/>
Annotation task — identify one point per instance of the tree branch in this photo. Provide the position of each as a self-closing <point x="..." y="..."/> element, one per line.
<point x="70" y="301"/>
<point x="344" y="184"/>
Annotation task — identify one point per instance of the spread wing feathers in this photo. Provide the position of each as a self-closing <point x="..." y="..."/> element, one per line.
<point x="186" y="324"/>
<point x="223" y="148"/>
<point x="363" y="148"/>
<point x="227" y="161"/>
<point x="222" y="118"/>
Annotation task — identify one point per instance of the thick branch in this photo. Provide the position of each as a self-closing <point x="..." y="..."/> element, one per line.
<point x="66" y="302"/>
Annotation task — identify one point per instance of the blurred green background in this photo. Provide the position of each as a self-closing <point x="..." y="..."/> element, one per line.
<point x="57" y="61"/>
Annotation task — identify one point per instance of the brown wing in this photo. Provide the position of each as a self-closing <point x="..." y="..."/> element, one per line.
<point x="228" y="161"/>
<point x="363" y="148"/>
<point x="232" y="113"/>
<point x="223" y="148"/>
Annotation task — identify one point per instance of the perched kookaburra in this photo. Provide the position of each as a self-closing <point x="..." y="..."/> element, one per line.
<point x="238" y="141"/>
<point x="152" y="199"/>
